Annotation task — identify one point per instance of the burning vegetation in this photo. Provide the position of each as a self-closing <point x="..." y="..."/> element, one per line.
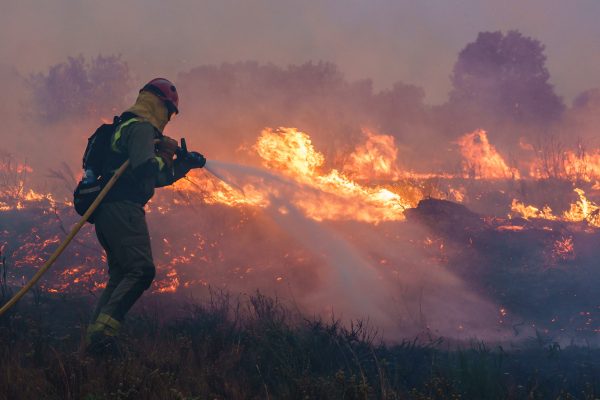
<point x="233" y="232"/>
<point x="475" y="218"/>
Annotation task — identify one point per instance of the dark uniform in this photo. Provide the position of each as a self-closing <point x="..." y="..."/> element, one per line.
<point x="121" y="224"/>
<point x="120" y="220"/>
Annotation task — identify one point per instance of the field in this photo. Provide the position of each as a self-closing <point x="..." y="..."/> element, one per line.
<point x="254" y="347"/>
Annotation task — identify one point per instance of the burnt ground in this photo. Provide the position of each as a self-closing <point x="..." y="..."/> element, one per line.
<point x="255" y="348"/>
<point x="545" y="273"/>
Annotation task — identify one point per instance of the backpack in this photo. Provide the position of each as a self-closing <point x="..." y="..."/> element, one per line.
<point x="98" y="147"/>
<point x="96" y="153"/>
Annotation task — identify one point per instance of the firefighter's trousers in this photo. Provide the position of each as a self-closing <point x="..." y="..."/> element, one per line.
<point x="122" y="231"/>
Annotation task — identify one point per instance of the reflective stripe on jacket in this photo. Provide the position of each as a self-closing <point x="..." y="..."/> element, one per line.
<point x="134" y="139"/>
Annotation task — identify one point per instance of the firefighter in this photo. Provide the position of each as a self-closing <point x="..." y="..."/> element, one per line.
<point x="120" y="220"/>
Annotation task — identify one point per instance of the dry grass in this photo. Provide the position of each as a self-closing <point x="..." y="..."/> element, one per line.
<point x="231" y="348"/>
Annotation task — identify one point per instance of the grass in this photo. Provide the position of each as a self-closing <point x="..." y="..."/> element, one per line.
<point x="255" y="348"/>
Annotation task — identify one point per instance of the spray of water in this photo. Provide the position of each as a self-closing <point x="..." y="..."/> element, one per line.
<point x="348" y="270"/>
<point x="422" y="298"/>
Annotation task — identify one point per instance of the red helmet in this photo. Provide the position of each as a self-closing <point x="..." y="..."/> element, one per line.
<point x="166" y="91"/>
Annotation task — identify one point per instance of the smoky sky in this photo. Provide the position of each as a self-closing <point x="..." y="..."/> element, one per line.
<point x="415" y="42"/>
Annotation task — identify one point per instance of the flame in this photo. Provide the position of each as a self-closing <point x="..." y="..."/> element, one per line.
<point x="563" y="249"/>
<point x="582" y="166"/>
<point x="168" y="285"/>
<point x="8" y="165"/>
<point x="320" y="195"/>
<point x="375" y="159"/>
<point x="554" y="161"/>
<point x="581" y="210"/>
<point x="368" y="186"/>
<point x="512" y="228"/>
<point x="529" y="212"/>
<point x="215" y="191"/>
<point x="352" y="192"/>
<point x="482" y="160"/>
<point x="457" y="195"/>
<point x="291" y="153"/>
<point x="13" y="191"/>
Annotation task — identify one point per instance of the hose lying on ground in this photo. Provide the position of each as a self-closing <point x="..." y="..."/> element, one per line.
<point x="67" y="240"/>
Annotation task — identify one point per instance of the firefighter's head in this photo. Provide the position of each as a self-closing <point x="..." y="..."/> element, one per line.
<point x="166" y="91"/>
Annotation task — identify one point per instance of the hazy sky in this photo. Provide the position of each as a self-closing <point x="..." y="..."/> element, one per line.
<point x="411" y="41"/>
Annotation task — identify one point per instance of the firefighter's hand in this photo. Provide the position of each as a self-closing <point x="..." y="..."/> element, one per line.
<point x="166" y="149"/>
<point x="183" y="164"/>
<point x="195" y="160"/>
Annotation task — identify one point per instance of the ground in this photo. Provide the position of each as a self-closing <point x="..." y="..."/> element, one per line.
<point x="252" y="347"/>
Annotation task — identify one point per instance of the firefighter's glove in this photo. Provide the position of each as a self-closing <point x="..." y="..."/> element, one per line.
<point x="166" y="149"/>
<point x="193" y="159"/>
<point x="183" y="164"/>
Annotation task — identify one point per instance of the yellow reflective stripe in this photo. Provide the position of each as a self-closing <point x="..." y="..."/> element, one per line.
<point x="106" y="323"/>
<point x="161" y="163"/>
<point x="114" y="144"/>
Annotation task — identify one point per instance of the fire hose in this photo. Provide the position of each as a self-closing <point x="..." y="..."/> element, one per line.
<point x="181" y="152"/>
<point x="67" y="240"/>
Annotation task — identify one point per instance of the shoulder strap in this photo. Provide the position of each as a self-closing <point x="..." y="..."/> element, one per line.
<point x="116" y="138"/>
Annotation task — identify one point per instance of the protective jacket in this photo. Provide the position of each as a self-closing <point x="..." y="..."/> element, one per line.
<point x="135" y="139"/>
<point x="120" y="221"/>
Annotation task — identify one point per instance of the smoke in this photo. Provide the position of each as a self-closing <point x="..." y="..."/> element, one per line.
<point x="225" y="104"/>
<point x="78" y="90"/>
<point x="413" y="42"/>
<point x="348" y="271"/>
<point x="350" y="284"/>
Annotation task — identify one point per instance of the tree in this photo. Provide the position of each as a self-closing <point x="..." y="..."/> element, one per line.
<point x="505" y="76"/>
<point x="78" y="89"/>
<point x="584" y="117"/>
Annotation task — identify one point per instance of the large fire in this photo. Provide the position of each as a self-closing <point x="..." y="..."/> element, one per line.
<point x="321" y="195"/>
<point x="482" y="160"/>
<point x="377" y="158"/>
<point x="581" y="210"/>
<point x="367" y="195"/>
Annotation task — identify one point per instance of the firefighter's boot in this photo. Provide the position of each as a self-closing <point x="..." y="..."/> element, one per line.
<point x="101" y="337"/>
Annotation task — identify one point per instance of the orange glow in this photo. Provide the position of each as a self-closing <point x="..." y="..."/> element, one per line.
<point x="457" y="195"/>
<point x="320" y="195"/>
<point x="375" y="159"/>
<point x="7" y="165"/>
<point x="563" y="249"/>
<point x="583" y="210"/>
<point x="528" y="212"/>
<point x="582" y="166"/>
<point x="215" y="191"/>
<point x="13" y="191"/>
<point x="291" y="153"/>
<point x="513" y="228"/>
<point x="368" y="186"/>
<point x="482" y="160"/>
<point x="169" y="284"/>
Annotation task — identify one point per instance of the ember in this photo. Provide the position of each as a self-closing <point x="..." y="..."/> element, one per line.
<point x="232" y="229"/>
<point x="563" y="248"/>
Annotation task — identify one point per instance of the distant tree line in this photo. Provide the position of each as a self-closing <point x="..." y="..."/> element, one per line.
<point x="499" y="83"/>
